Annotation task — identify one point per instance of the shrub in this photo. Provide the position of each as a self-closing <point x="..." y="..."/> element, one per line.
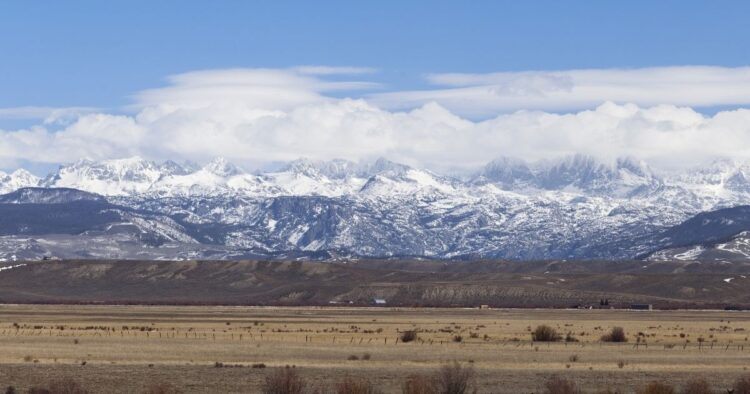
<point x="573" y="358"/>
<point x="697" y="386"/>
<point x="366" y="356"/>
<point x="419" y="384"/>
<point x="458" y="338"/>
<point x="657" y="388"/>
<point x="545" y="333"/>
<point x="355" y="386"/>
<point x="161" y="388"/>
<point x="621" y="364"/>
<point x="408" y="336"/>
<point x="558" y="385"/>
<point x="284" y="381"/>
<point x="259" y="365"/>
<point x="570" y="338"/>
<point x="352" y="358"/>
<point x="10" y="390"/>
<point x="742" y="386"/>
<point x="616" y="334"/>
<point x="454" y="379"/>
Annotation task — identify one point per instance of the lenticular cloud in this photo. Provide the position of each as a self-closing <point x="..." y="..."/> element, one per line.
<point x="257" y="116"/>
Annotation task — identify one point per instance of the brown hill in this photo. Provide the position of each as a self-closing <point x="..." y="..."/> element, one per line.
<point x="400" y="283"/>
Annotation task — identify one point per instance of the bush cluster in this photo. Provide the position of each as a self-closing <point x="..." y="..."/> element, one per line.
<point x="616" y="334"/>
<point x="408" y="336"/>
<point x="545" y="333"/>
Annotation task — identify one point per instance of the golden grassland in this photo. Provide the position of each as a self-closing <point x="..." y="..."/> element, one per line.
<point x="126" y="348"/>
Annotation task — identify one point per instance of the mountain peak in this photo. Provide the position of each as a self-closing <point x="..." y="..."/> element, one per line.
<point x="384" y="166"/>
<point x="633" y="165"/>
<point x="222" y="167"/>
<point x="170" y="168"/>
<point x="332" y="169"/>
<point x="578" y="171"/>
<point x="17" y="179"/>
<point x="303" y="166"/>
<point x="107" y="177"/>
<point x="509" y="172"/>
<point x="21" y="173"/>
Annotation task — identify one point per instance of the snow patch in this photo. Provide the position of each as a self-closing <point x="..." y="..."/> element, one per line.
<point x="10" y="267"/>
<point x="690" y="254"/>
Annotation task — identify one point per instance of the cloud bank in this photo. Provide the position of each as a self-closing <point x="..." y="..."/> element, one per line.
<point x="257" y="116"/>
<point x="571" y="90"/>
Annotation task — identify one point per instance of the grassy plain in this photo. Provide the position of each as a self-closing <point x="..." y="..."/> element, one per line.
<point x="125" y="349"/>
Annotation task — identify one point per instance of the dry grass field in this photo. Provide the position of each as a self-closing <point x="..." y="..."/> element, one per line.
<point x="112" y="349"/>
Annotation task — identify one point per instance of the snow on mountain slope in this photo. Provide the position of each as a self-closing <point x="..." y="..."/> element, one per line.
<point x="320" y="178"/>
<point x="574" y="207"/>
<point x="407" y="181"/>
<point x="110" y="177"/>
<point x="221" y="167"/>
<point x="576" y="174"/>
<point x="507" y="173"/>
<point x="216" y="178"/>
<point x="735" y="249"/>
<point x="722" y="183"/>
<point x="34" y="212"/>
<point x="18" y="179"/>
<point x="333" y="169"/>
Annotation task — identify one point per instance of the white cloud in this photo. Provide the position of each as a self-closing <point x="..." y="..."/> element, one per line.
<point x="260" y="116"/>
<point x="47" y="114"/>
<point x="328" y="70"/>
<point x="267" y="89"/>
<point x="484" y="95"/>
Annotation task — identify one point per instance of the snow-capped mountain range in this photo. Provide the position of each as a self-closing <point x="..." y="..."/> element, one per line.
<point x="569" y="208"/>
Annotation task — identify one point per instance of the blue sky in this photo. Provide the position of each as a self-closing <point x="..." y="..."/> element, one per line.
<point x="97" y="53"/>
<point x="431" y="83"/>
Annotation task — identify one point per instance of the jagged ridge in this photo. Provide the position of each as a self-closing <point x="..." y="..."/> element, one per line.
<point x="575" y="207"/>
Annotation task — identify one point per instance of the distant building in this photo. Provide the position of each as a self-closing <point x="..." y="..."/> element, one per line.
<point x="642" y="307"/>
<point x="379" y="301"/>
<point x="335" y="302"/>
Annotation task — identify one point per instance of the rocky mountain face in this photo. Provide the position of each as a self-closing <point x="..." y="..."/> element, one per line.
<point x="572" y="208"/>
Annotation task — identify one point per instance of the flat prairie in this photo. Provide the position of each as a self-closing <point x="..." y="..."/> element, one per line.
<point x="127" y="349"/>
